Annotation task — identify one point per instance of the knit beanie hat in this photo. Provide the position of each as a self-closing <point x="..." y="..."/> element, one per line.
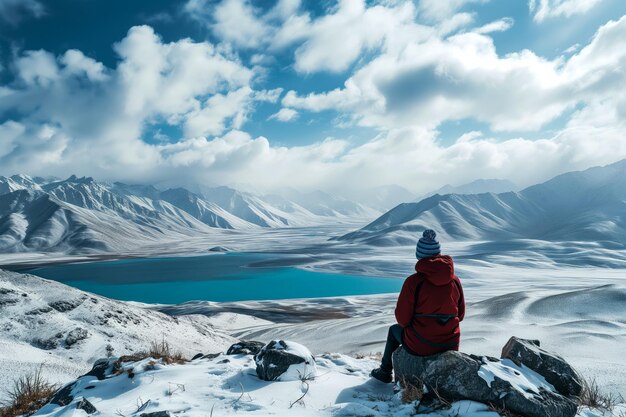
<point x="427" y="245"/>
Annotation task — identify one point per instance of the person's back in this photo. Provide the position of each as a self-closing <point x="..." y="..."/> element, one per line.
<point x="429" y="309"/>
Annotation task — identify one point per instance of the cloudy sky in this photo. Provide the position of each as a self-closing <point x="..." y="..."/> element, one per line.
<point x="317" y="94"/>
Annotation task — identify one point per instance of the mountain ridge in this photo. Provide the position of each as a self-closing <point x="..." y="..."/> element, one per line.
<point x="579" y="205"/>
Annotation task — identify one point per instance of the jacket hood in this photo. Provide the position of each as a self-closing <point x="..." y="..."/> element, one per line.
<point x="438" y="270"/>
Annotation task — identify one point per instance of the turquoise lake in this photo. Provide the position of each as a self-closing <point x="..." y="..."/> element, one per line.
<point x="223" y="277"/>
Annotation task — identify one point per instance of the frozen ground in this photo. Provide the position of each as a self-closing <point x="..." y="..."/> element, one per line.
<point x="570" y="295"/>
<point x="226" y="386"/>
<point x="64" y="330"/>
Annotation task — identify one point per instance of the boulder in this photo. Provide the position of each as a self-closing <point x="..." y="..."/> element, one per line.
<point x="455" y="376"/>
<point x="100" y="368"/>
<point x="76" y="335"/>
<point x="245" y="347"/>
<point x="156" y="414"/>
<point x="552" y="367"/>
<point x="285" y="361"/>
<point x="86" y="406"/>
<point x="63" y="396"/>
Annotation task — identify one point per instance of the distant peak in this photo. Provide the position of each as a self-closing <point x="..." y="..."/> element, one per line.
<point x="82" y="180"/>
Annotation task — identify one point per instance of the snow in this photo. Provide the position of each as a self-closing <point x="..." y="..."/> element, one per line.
<point x="302" y="371"/>
<point x="584" y="206"/>
<point x="81" y="215"/>
<point x="522" y="379"/>
<point x="228" y="385"/>
<point x="35" y="310"/>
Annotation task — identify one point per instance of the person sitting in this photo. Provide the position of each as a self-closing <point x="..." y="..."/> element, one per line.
<point x="430" y="307"/>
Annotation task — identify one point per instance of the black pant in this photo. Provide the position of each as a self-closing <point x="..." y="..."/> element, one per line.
<point x="394" y="340"/>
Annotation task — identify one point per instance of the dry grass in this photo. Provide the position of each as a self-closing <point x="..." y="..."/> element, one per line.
<point x="30" y="392"/>
<point x="411" y="393"/>
<point x="372" y="355"/>
<point x="592" y="397"/>
<point x="502" y="411"/>
<point x="158" y="350"/>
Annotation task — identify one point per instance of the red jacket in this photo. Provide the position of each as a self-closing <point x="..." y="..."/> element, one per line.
<point x="431" y="320"/>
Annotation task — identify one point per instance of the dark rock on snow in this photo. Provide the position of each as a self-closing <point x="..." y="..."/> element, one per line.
<point x="156" y="414"/>
<point x="273" y="361"/>
<point x="64" y="395"/>
<point x="63" y="305"/>
<point x="245" y="347"/>
<point x="99" y="369"/>
<point x="197" y="356"/>
<point x="75" y="336"/>
<point x="455" y="376"/>
<point x="86" y="406"/>
<point x="46" y="344"/>
<point x="552" y="367"/>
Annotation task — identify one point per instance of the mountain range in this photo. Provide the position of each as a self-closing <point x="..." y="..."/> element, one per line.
<point x="577" y="206"/>
<point x="82" y="214"/>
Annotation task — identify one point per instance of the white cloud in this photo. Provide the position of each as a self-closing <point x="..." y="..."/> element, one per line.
<point x="94" y="117"/>
<point x="336" y="40"/>
<point x="501" y="25"/>
<point x="438" y="10"/>
<point x="37" y="67"/>
<point x="462" y="76"/>
<point x="14" y="11"/>
<point x="70" y="113"/>
<point x="358" y="27"/>
<point x="284" y="115"/>
<point x="545" y="9"/>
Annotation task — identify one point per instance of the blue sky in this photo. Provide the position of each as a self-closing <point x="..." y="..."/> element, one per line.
<point x="311" y="94"/>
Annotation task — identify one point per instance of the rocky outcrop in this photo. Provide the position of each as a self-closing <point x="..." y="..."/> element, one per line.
<point x="245" y="347"/>
<point x="86" y="406"/>
<point x="552" y="367"/>
<point x="75" y="336"/>
<point x="285" y="361"/>
<point x="455" y="376"/>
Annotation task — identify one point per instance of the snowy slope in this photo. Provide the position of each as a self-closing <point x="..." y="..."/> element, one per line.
<point x="323" y="204"/>
<point x="228" y="386"/>
<point x="476" y="187"/>
<point x="81" y="215"/>
<point x="46" y="322"/>
<point x="587" y="205"/>
<point x="37" y="221"/>
<point x="208" y="213"/>
<point x="17" y="182"/>
<point x="256" y="210"/>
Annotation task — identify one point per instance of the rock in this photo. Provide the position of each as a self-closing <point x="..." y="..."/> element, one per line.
<point x="244" y="347"/>
<point x="46" y="344"/>
<point x="62" y="306"/>
<point x="38" y="311"/>
<point x="197" y="356"/>
<point x="211" y="356"/>
<point x="285" y="361"/>
<point x="99" y="369"/>
<point x="63" y="396"/>
<point x="156" y="414"/>
<point x="552" y="367"/>
<point x="75" y="336"/>
<point x="455" y="376"/>
<point x="86" y="406"/>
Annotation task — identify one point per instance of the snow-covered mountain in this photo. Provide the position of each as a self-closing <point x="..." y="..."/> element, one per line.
<point x="587" y="205"/>
<point x="476" y="187"/>
<point x="82" y="214"/>
<point x="46" y="322"/>
<point x="321" y="203"/>
<point x="381" y="198"/>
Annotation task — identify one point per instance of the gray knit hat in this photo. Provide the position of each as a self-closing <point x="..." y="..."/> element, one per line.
<point x="427" y="245"/>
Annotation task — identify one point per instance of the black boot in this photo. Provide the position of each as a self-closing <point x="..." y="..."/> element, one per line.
<point x="382" y="375"/>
